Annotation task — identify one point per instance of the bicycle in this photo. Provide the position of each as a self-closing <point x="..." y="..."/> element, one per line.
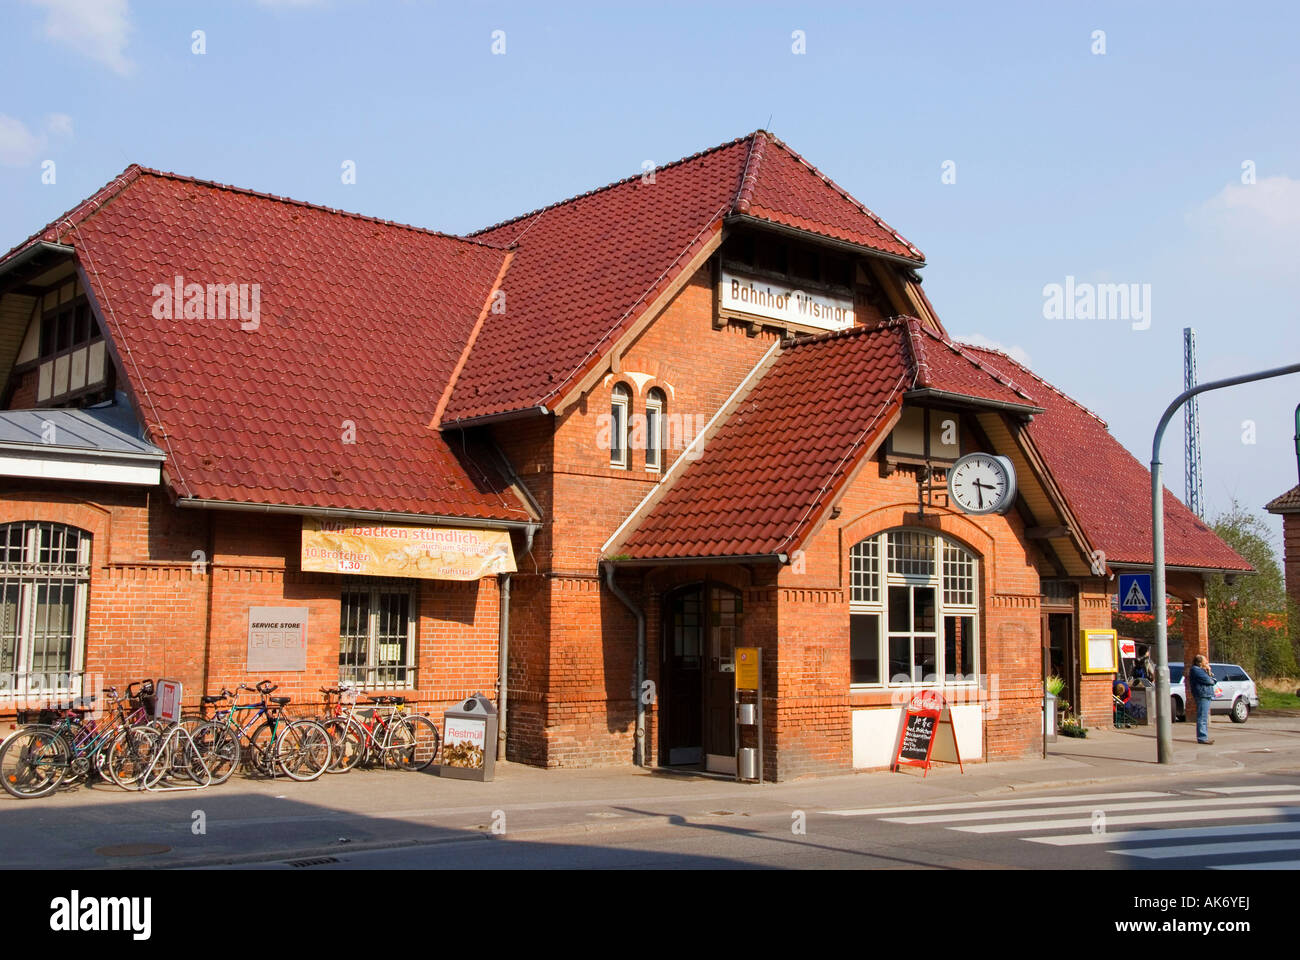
<point x="386" y="731"/>
<point x="300" y="749"/>
<point x="39" y="758"/>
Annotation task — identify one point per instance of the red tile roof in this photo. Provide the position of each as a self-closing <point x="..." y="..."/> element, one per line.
<point x="782" y="187"/>
<point x="946" y="367"/>
<point x="1288" y="502"/>
<point x="776" y="462"/>
<point x="1105" y="485"/>
<point x="361" y="322"/>
<point x="586" y="269"/>
<point x="784" y="452"/>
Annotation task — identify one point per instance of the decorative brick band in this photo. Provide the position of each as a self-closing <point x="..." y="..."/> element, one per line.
<point x="1015" y="601"/>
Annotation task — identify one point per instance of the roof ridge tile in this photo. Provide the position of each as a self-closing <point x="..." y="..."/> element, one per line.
<point x="99" y="198"/>
<point x="847" y="196"/>
<point x="1055" y="389"/>
<point x="263" y="195"/>
<point x="749" y="175"/>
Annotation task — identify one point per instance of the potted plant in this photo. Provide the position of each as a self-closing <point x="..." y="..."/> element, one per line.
<point x="1071" y="724"/>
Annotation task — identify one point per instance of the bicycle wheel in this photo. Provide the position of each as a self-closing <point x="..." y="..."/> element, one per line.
<point x="217" y="745"/>
<point x="131" y="753"/>
<point x="33" y="762"/>
<point x="302" y="749"/>
<point x="412" y="742"/>
<point x="261" y="749"/>
<point x="347" y="743"/>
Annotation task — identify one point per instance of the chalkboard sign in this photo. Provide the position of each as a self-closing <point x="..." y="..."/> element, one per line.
<point x="927" y="711"/>
<point x="918" y="737"/>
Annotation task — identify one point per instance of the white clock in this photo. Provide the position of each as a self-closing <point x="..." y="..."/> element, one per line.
<point x="982" y="483"/>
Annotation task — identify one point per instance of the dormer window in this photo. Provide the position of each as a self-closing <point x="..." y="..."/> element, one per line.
<point x="67" y="347"/>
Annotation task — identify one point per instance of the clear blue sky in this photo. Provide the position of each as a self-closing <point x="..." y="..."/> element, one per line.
<point x="1117" y="167"/>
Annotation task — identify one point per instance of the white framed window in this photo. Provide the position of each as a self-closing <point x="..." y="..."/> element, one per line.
<point x="655" y="405"/>
<point x="44" y="589"/>
<point x="377" y="635"/>
<point x="913" y="611"/>
<point x="620" y="406"/>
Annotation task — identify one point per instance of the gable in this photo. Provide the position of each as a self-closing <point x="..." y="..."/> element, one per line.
<point x="286" y="354"/>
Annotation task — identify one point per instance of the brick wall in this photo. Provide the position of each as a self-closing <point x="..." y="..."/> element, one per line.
<point x="572" y="643"/>
<point x="1291" y="557"/>
<point x="170" y="591"/>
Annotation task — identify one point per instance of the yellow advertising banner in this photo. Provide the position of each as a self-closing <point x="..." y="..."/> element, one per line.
<point x="400" y="550"/>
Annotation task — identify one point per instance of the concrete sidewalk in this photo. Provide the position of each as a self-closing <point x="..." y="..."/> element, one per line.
<point x="248" y="820"/>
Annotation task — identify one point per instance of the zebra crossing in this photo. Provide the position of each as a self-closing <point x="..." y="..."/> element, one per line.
<point x="1248" y="827"/>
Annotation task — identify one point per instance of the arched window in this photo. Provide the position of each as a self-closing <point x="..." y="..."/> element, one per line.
<point x="656" y="405"/>
<point x="44" y="577"/>
<point x="620" y="406"/>
<point x="914" y="610"/>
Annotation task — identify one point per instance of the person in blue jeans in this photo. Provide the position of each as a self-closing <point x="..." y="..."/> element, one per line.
<point x="1203" y="689"/>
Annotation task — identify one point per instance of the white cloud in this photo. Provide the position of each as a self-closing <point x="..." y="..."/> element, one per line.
<point x="97" y="29"/>
<point x="1249" y="230"/>
<point x="1271" y="201"/>
<point x="20" y="145"/>
<point x="1016" y="353"/>
<point x="59" y="124"/>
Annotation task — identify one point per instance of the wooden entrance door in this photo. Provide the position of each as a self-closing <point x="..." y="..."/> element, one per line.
<point x="1062" y="648"/>
<point x="701" y="631"/>
<point x="720" y="680"/>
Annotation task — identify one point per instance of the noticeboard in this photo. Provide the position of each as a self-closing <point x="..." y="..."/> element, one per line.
<point x="918" y="737"/>
<point x="1099" y="651"/>
<point x="927" y="724"/>
<point x="747" y="661"/>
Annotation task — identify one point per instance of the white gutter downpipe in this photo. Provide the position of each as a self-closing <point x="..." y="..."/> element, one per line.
<point x="503" y="644"/>
<point x="638" y="755"/>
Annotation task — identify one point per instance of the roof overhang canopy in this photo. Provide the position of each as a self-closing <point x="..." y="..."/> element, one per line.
<point x="74" y="445"/>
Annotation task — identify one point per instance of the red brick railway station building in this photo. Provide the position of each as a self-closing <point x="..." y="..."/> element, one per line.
<point x="620" y="437"/>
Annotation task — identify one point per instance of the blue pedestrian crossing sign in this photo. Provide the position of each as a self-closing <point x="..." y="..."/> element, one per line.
<point x="1135" y="593"/>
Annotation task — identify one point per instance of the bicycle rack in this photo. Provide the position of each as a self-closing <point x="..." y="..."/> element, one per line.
<point x="164" y="755"/>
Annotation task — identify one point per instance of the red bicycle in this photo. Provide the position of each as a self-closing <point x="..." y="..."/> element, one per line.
<point x="386" y="731"/>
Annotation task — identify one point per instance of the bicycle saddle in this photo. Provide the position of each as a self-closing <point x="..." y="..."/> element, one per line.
<point x="386" y="699"/>
<point x="280" y="700"/>
<point x="216" y="698"/>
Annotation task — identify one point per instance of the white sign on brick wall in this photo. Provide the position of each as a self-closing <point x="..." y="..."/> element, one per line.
<point x="277" y="639"/>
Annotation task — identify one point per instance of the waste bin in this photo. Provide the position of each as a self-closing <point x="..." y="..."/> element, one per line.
<point x="469" y="740"/>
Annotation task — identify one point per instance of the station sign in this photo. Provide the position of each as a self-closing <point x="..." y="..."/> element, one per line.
<point x="784" y="303"/>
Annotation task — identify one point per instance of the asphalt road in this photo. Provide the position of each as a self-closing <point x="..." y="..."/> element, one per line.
<point x="1233" y="822"/>
<point x="1100" y="803"/>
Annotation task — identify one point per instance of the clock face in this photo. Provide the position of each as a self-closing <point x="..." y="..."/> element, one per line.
<point x="982" y="483"/>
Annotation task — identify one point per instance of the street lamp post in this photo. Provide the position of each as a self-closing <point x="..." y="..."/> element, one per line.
<point x="1164" y="727"/>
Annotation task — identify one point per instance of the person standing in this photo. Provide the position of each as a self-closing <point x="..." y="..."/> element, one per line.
<point x="1202" y="683"/>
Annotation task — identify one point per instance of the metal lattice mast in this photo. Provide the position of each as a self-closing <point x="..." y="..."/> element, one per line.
<point x="1192" y="430"/>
